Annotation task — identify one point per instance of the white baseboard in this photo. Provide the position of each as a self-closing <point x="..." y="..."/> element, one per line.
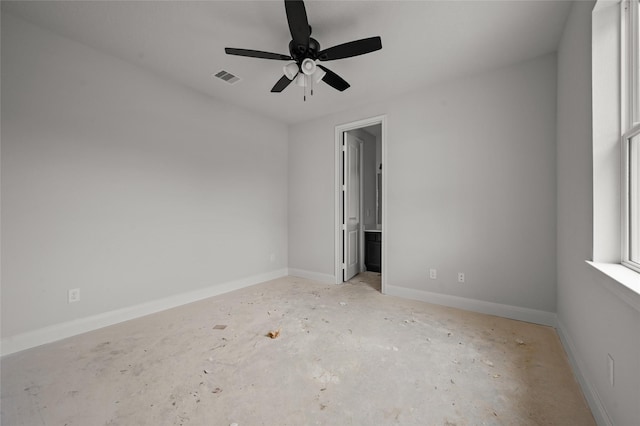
<point x="61" y="331"/>
<point x="315" y="276"/>
<point x="590" y="392"/>
<point x="481" y="306"/>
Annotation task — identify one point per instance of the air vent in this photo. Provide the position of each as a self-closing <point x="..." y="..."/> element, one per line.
<point x="227" y="76"/>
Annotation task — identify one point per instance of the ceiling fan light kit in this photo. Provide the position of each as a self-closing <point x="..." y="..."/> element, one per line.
<point x="306" y="53"/>
<point x="318" y="75"/>
<point x="308" y="66"/>
<point x="291" y="70"/>
<point x="301" y="80"/>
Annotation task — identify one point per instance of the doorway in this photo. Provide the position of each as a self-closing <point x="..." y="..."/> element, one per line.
<point x="360" y="154"/>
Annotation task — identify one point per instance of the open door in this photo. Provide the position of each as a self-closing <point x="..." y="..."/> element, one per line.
<point x="352" y="206"/>
<point x="352" y="209"/>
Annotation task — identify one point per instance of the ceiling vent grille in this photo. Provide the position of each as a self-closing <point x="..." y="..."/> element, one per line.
<point x="227" y="76"/>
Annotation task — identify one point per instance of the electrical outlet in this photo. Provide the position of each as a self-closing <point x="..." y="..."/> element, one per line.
<point x="611" y="370"/>
<point x="433" y="274"/>
<point x="74" y="295"/>
<point x="460" y="277"/>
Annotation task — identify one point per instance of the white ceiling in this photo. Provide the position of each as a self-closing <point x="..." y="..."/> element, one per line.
<point x="424" y="42"/>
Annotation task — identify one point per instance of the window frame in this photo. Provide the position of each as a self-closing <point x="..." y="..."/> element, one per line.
<point x="630" y="121"/>
<point x="628" y="206"/>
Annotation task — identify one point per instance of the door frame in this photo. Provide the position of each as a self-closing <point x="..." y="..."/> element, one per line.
<point x="338" y="238"/>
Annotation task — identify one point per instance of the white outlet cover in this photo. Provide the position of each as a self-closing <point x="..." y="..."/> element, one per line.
<point x="74" y="295"/>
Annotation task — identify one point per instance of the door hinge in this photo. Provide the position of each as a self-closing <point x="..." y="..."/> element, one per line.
<point x="344" y="148"/>
<point x="344" y="187"/>
<point x="344" y="227"/>
<point x="344" y="266"/>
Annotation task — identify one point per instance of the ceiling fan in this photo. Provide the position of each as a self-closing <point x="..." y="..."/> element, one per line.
<point x="305" y="53"/>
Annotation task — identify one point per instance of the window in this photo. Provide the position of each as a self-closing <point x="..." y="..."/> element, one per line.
<point x="631" y="132"/>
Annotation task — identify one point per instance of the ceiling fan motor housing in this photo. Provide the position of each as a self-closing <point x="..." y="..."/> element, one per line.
<point x="311" y="52"/>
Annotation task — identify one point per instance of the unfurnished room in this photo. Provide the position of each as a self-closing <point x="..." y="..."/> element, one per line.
<point x="246" y="213"/>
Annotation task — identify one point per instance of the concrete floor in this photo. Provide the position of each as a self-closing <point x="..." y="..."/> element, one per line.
<point x="345" y="355"/>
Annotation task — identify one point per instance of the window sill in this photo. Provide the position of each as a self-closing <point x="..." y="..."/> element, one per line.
<point x="623" y="282"/>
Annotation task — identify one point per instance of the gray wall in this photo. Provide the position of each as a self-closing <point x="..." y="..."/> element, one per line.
<point x="593" y="321"/>
<point x="471" y="187"/>
<point x="125" y="185"/>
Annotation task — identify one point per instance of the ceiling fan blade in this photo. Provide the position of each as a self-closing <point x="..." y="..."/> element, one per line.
<point x="334" y="80"/>
<point x="256" y="54"/>
<point x="281" y="84"/>
<point x="353" y="48"/>
<point x="298" y="24"/>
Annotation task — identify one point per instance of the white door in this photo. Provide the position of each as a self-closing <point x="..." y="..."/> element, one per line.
<point x="352" y="206"/>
